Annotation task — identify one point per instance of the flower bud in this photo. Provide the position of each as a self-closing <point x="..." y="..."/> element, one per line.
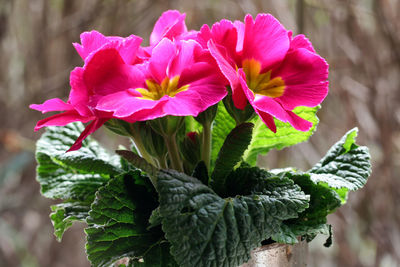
<point x="168" y="125"/>
<point x="190" y="149"/>
<point x="239" y="115"/>
<point x="208" y="115"/>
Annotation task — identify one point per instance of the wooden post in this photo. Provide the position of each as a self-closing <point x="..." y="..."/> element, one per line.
<point x="279" y="255"/>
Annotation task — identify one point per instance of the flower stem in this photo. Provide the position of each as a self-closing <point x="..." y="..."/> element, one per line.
<point x="137" y="140"/>
<point x="206" y="146"/>
<point x="173" y="152"/>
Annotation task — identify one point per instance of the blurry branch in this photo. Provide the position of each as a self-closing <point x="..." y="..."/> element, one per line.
<point x="387" y="30"/>
<point x="300" y="9"/>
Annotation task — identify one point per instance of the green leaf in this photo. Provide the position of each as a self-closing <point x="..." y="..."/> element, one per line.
<point x="118" y="220"/>
<point x="157" y="256"/>
<point x="65" y="214"/>
<point x="222" y="126"/>
<point x="138" y="162"/>
<point x="230" y="154"/>
<point x="207" y="230"/>
<point x="73" y="176"/>
<point x="91" y="158"/>
<point x="345" y="165"/>
<point x="200" y="172"/>
<point x="264" y="139"/>
<point x="312" y="221"/>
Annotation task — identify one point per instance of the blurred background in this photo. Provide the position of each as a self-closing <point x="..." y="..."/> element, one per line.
<point x="359" y="38"/>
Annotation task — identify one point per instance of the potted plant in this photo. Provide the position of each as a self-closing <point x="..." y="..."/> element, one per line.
<point x="199" y="107"/>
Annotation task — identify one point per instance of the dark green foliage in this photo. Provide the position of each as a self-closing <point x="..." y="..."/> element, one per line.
<point x="230" y="154"/>
<point x="345" y="167"/>
<point x="73" y="176"/>
<point x="157" y="256"/>
<point x="207" y="230"/>
<point x="118" y="220"/>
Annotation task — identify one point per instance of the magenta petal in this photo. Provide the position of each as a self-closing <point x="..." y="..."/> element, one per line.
<point x="162" y="55"/>
<point x="92" y="127"/>
<point x="225" y="34"/>
<point x="171" y="24"/>
<point x="239" y="99"/>
<point x="91" y="41"/>
<point x="300" y="41"/>
<point x="106" y="73"/>
<point x="54" y="104"/>
<point x="299" y="123"/>
<point x="240" y="28"/>
<point x="265" y="40"/>
<point x="184" y="58"/>
<point x="267" y="119"/>
<point x="79" y="94"/>
<point x="128" y="48"/>
<point x="61" y="119"/>
<point x="124" y="104"/>
<point x="305" y="75"/>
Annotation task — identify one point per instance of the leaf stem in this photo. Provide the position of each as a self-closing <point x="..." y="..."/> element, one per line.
<point x="173" y="152"/>
<point x="206" y="146"/>
<point x="137" y="140"/>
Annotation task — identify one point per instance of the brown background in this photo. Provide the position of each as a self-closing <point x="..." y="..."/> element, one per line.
<point x="360" y="39"/>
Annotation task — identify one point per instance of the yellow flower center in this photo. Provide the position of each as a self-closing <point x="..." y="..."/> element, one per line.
<point x="261" y="83"/>
<point x="156" y="91"/>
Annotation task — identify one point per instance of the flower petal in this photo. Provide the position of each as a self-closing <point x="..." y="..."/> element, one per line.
<point x="264" y="104"/>
<point x="128" y="48"/>
<point x="91" y="128"/>
<point x="265" y="40"/>
<point x="305" y="76"/>
<point x="162" y="55"/>
<point x="300" y="41"/>
<point x="106" y="73"/>
<point x="124" y="104"/>
<point x="54" y="104"/>
<point x="62" y="119"/>
<point x="91" y="41"/>
<point x="79" y="94"/>
<point x="171" y="24"/>
<point x="183" y="59"/>
<point x="239" y="98"/>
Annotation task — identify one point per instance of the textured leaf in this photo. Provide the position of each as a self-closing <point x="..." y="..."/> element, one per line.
<point x="65" y="214"/>
<point x="207" y="230"/>
<point x="91" y="158"/>
<point x="118" y="220"/>
<point x="200" y="172"/>
<point x="264" y="139"/>
<point x="312" y="221"/>
<point x="157" y="256"/>
<point x="345" y="165"/>
<point x="74" y="176"/>
<point x="230" y="154"/>
<point x="138" y="161"/>
<point x="222" y="126"/>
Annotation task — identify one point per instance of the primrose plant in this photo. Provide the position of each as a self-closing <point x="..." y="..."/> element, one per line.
<point x="199" y="106"/>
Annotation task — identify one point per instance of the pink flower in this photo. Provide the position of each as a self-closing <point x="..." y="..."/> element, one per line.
<point x="268" y="68"/>
<point x="171" y="25"/>
<point x="85" y="90"/>
<point x="179" y="79"/>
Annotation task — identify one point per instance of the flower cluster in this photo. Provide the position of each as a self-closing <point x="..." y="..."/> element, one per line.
<point x="256" y="63"/>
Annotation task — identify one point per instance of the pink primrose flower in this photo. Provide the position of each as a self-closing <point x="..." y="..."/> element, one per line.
<point x="85" y="90"/>
<point x="121" y="80"/>
<point x="268" y="68"/>
<point x="171" y="25"/>
<point x="179" y="79"/>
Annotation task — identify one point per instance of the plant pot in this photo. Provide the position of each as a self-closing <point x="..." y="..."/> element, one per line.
<point x="279" y="255"/>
